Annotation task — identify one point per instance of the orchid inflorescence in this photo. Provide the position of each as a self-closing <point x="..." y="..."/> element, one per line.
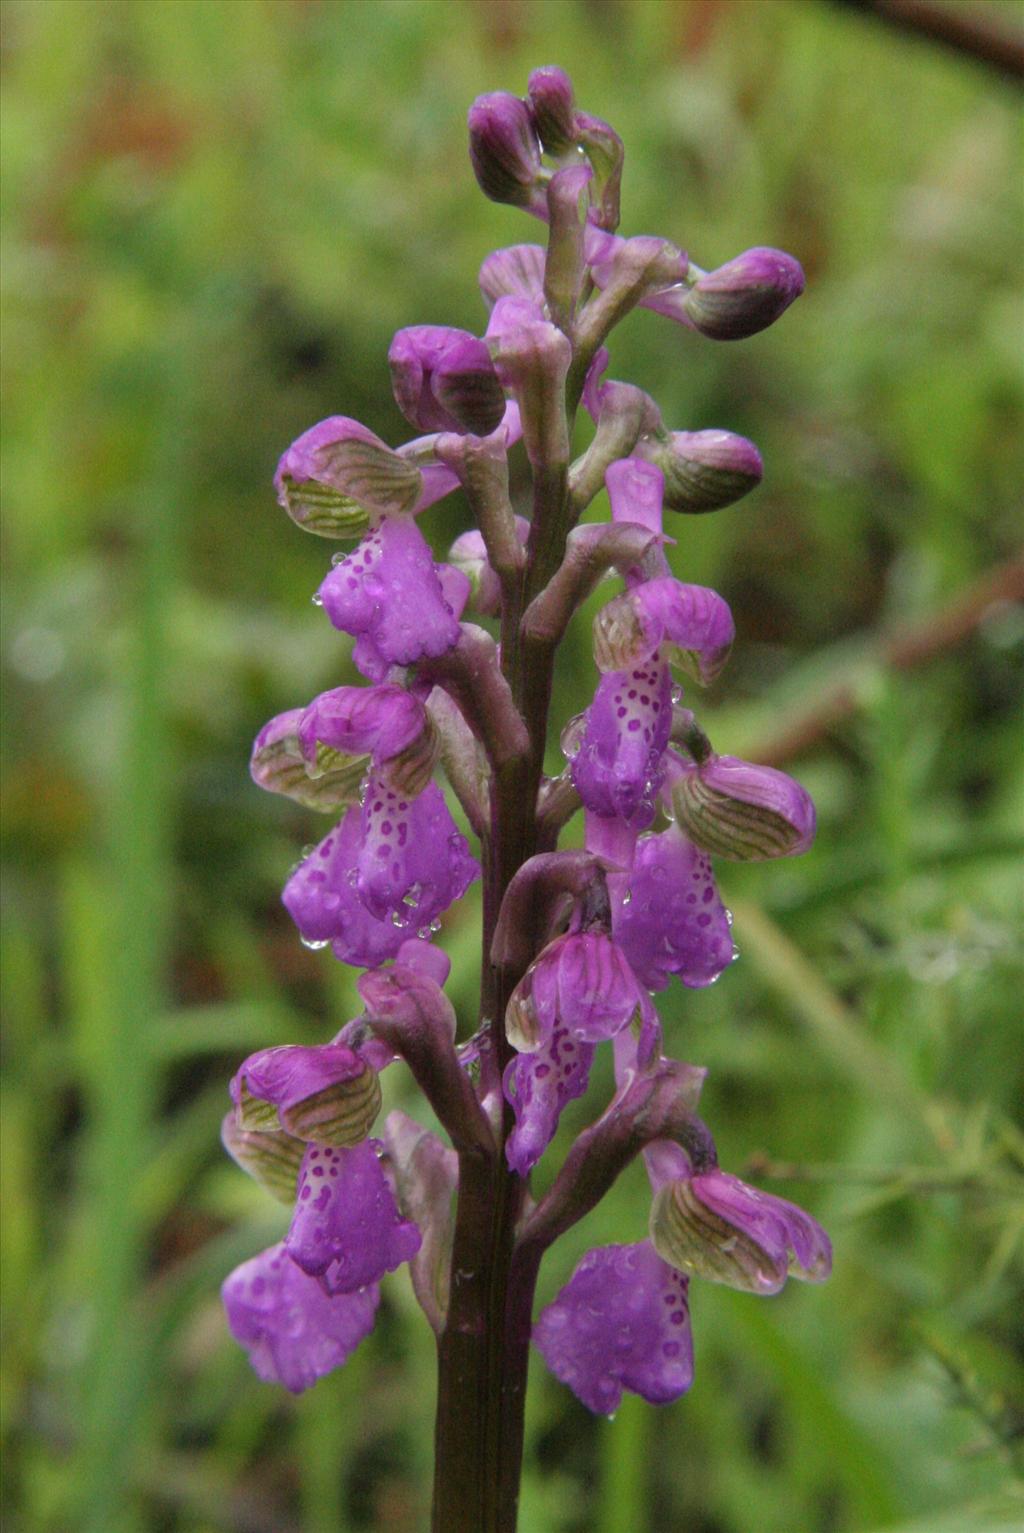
<point x="576" y="941"/>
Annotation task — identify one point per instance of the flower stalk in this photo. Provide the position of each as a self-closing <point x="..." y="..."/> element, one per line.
<point x="574" y="943"/>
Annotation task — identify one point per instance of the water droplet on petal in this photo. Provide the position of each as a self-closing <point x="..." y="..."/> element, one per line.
<point x="317" y="599"/>
<point x="315" y="946"/>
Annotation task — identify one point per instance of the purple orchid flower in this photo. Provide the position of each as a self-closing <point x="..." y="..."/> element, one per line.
<point x="387" y="594"/>
<point x="292" y="1329"/>
<point x="346" y="1229"/>
<point x="621" y="1322"/>
<point x="743" y="812"/>
<point x="582" y="983"/>
<point x="674" y="921"/>
<point x="689" y="625"/>
<point x="539" y="1085"/>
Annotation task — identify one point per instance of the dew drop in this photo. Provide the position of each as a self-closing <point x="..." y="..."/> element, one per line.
<point x="315" y="945"/>
<point x="317" y="599"/>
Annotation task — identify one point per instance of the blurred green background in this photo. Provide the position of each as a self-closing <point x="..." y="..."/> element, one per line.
<point x="215" y="214"/>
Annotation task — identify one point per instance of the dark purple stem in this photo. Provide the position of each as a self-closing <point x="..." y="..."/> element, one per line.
<point x="483" y="1351"/>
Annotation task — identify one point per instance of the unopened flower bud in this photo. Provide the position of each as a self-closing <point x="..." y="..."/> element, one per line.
<point x="743" y="812"/>
<point x="745" y="295"/>
<point x="338" y="476"/>
<point x="549" y="94"/>
<point x="703" y="469"/>
<point x="272" y="1159"/>
<point x="505" y="151"/>
<point x="444" y="380"/>
<point x="716" y="1227"/>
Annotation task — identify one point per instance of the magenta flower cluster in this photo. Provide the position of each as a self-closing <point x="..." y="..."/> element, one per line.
<point x="580" y="940"/>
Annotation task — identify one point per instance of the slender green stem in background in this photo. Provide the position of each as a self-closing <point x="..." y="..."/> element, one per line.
<point x="136" y="887"/>
<point x="624" y="1460"/>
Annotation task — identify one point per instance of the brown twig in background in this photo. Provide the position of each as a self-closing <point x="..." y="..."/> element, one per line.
<point x="900" y="651"/>
<point x="977" y="29"/>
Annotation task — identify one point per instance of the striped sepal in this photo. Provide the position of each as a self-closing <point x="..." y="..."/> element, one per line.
<point x="340" y="1115"/>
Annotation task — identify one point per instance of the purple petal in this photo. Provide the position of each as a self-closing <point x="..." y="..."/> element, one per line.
<point x="293" y="1331"/>
<point x="635" y="489"/>
<point x="380" y="721"/>
<point x="781" y="1227"/>
<point x="745" y="295"/>
<point x="338" y="473"/>
<point x="580" y="982"/>
<point x="616" y="769"/>
<point x="302" y="459"/>
<point x="693" y="620"/>
<point x="279" y="766"/>
<point x="388" y="592"/>
<point x="292" y="1072"/>
<point x="346" y="1228"/>
<point x="515" y="272"/>
<point x="621" y="1322"/>
<point x="538" y="1086"/>
<point x="321" y="899"/>
<point x="674" y="922"/>
<point x="413" y="861"/>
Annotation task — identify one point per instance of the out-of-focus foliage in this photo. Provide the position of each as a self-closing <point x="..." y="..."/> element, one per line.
<point x="215" y="214"/>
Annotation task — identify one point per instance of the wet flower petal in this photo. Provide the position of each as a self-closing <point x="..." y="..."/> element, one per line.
<point x="539" y="1085"/>
<point x="621" y="1322"/>
<point x="674" y="921"/>
<point x="321" y="898"/>
<point x="617" y="768"/>
<point x="387" y="592"/>
<point x="413" y="861"/>
<point x="582" y="983"/>
<point x="293" y="1331"/>
<point x="346" y="1229"/>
